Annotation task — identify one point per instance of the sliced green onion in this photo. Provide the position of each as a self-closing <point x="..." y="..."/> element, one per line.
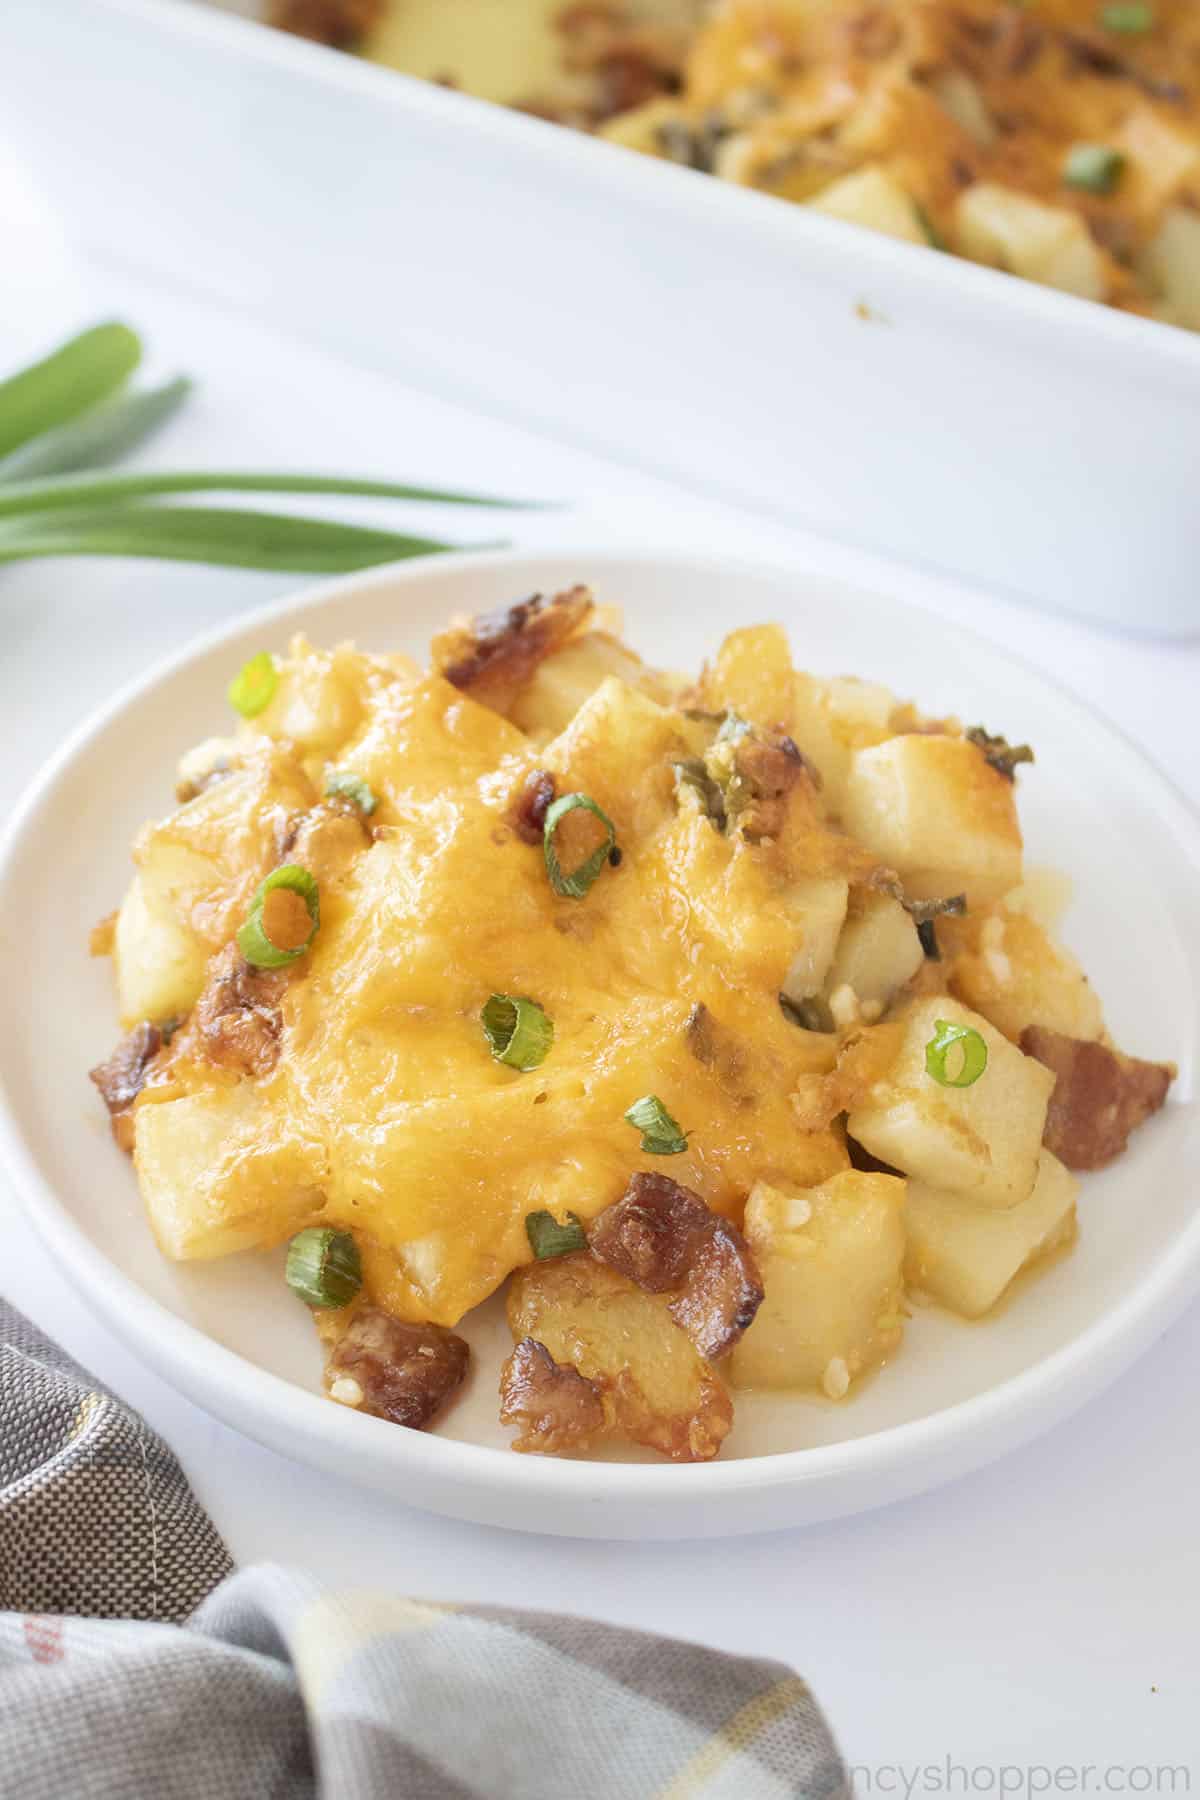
<point x="1130" y="16"/>
<point x="323" y="1267"/>
<point x="937" y="1054"/>
<point x="575" y="884"/>
<point x="252" y="939"/>
<point x="517" y="1030"/>
<point x="661" y="1135"/>
<point x="253" y="687"/>
<point x="341" y="784"/>
<point x="548" y="1238"/>
<point x="1095" y="168"/>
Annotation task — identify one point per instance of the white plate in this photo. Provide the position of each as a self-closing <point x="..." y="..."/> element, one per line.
<point x="230" y="1336"/>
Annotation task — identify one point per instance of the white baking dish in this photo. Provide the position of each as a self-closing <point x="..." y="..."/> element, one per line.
<point x="886" y="395"/>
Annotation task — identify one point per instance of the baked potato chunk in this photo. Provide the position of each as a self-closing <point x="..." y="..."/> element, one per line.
<point x="656" y="1385"/>
<point x="965" y="1255"/>
<point x="931" y="807"/>
<point x="1007" y="968"/>
<point x="981" y="1140"/>
<point x="831" y="1258"/>
<point x="877" y="953"/>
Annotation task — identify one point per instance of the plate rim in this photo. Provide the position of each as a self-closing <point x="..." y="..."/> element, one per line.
<point x="974" y="1430"/>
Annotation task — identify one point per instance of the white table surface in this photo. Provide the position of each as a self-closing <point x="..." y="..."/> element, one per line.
<point x="1040" y="1614"/>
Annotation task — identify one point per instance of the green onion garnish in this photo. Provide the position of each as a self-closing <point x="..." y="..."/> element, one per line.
<point x="271" y="912"/>
<point x="341" y="784"/>
<point x="548" y="1238"/>
<point x="1093" y="167"/>
<point x="661" y="1135"/>
<point x="575" y="884"/>
<point x="1131" y="16"/>
<point x="324" y="1267"/>
<point x="517" y="1030"/>
<point x="937" y="1054"/>
<point x="253" y="687"/>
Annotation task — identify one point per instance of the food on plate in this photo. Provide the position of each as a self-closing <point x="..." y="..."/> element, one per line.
<point x="1058" y="141"/>
<point x="706" y="1017"/>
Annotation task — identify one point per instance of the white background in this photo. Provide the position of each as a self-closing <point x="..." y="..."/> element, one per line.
<point x="1043" y="1612"/>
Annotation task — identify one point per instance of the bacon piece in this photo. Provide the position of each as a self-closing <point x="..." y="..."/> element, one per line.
<point x="237" y="1017"/>
<point x="342" y="24"/>
<point x="1099" y="1098"/>
<point x="121" y="1078"/>
<point x="764" y="775"/>
<point x="531" y="803"/>
<point x="665" y="1239"/>
<point x="493" y="657"/>
<point x="395" y="1370"/>
<point x="559" y="1407"/>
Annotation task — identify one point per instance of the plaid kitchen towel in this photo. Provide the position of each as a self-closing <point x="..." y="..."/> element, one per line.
<point x="272" y="1686"/>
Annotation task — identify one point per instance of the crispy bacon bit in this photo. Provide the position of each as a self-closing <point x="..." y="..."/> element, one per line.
<point x="326" y="839"/>
<point x="1099" y="1098"/>
<point x="663" y="1237"/>
<point x="559" y="1407"/>
<point x="121" y="1079"/>
<point x="493" y="657"/>
<point x="530" y="804"/>
<point x="237" y="1017"/>
<point x="405" y="1372"/>
<point x="343" y="24"/>
<point x="764" y="775"/>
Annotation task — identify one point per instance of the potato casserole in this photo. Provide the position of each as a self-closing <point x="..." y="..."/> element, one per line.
<point x="710" y="1018"/>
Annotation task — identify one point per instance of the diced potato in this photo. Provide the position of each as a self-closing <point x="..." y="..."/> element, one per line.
<point x="962" y="99"/>
<point x="221" y="1169"/>
<point x="981" y="1140"/>
<point x="753" y="675"/>
<point x="559" y="686"/>
<point x="965" y="1255"/>
<point x="820" y="906"/>
<point x="661" y="1391"/>
<point x="833" y="718"/>
<point x="198" y="766"/>
<point x="873" y="198"/>
<point x="159" y="961"/>
<point x="933" y="808"/>
<point x="317" y="705"/>
<point x="1170" y="266"/>
<point x="1009" y="970"/>
<point x="878" y="951"/>
<point x="830" y="1259"/>
<point x="1164" y="158"/>
<point x="618" y="749"/>
<point x="1050" y="244"/>
<point x="639" y="128"/>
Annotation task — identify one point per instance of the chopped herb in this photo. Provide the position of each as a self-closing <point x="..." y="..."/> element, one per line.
<point x="254" y="940"/>
<point x="1002" y="755"/>
<point x="324" y="1268"/>
<point x="1094" y="168"/>
<point x="517" y="1030"/>
<point x="937" y="1054"/>
<point x="1133" y="17"/>
<point x="661" y="1135"/>
<point x="253" y="687"/>
<point x="341" y="784"/>
<point x="575" y="884"/>
<point x="692" y="772"/>
<point x="548" y="1238"/>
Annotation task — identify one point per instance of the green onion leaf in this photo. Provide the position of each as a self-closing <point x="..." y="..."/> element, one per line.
<point x="232" y="537"/>
<point x="254" y="941"/>
<point x="661" y="1135"/>
<point x="342" y="784"/>
<point x="1130" y="16"/>
<point x="1095" y="168"/>
<point x="82" y="373"/>
<point x="323" y="1267"/>
<point x="253" y="687"/>
<point x="105" y="433"/>
<point x="937" y="1054"/>
<point x="517" y="1030"/>
<point x="574" y="886"/>
<point x="548" y="1238"/>
<point x="69" y="492"/>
